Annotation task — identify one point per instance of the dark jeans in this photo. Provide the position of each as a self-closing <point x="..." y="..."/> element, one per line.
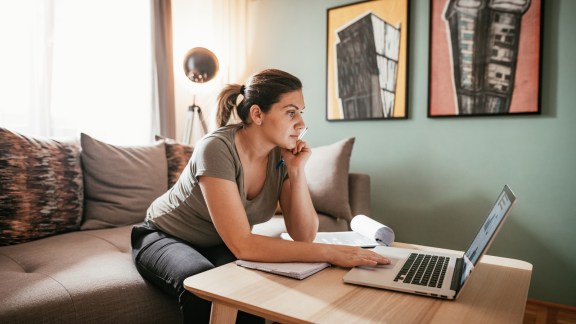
<point x="166" y="261"/>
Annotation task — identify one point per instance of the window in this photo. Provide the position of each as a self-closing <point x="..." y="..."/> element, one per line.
<point x="77" y="66"/>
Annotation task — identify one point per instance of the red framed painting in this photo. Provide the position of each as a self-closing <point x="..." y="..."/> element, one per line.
<point x="485" y="57"/>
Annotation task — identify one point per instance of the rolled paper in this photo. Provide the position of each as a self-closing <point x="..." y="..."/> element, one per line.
<point x="372" y="229"/>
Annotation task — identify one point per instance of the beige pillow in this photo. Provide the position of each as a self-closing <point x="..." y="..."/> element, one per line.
<point x="41" y="191"/>
<point x="120" y="182"/>
<point x="327" y="173"/>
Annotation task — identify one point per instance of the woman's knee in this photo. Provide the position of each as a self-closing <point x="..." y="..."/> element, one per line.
<point x="167" y="262"/>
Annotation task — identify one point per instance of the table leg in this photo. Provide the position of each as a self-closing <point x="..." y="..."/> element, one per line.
<point x="222" y="314"/>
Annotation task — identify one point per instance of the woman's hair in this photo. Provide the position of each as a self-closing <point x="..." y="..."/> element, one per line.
<point x="263" y="89"/>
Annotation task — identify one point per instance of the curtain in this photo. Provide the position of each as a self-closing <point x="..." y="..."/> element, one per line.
<point x="228" y="25"/>
<point x="25" y="61"/>
<point x="220" y="26"/>
<point x="164" y="114"/>
<point x="230" y="30"/>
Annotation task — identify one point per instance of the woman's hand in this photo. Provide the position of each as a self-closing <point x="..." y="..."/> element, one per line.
<point x="351" y="256"/>
<point x="296" y="157"/>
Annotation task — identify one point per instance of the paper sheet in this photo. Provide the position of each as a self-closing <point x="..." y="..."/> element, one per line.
<point x="366" y="233"/>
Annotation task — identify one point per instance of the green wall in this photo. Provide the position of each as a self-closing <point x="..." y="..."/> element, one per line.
<point x="442" y="175"/>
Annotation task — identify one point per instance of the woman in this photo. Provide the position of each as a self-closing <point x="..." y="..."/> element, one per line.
<point x="233" y="181"/>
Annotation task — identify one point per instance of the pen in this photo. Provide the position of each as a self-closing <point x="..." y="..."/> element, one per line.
<point x="302" y="133"/>
<point x="301" y="136"/>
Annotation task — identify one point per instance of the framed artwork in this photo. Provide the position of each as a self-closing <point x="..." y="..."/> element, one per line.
<point x="484" y="57"/>
<point x="367" y="60"/>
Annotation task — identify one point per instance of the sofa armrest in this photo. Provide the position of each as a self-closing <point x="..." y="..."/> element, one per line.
<point x="359" y="191"/>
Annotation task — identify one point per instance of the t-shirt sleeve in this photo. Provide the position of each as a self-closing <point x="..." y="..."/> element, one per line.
<point x="214" y="157"/>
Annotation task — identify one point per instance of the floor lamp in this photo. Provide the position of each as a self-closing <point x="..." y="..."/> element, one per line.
<point x="200" y="65"/>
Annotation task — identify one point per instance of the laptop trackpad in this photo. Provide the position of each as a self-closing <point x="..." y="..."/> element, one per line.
<point x="394" y="262"/>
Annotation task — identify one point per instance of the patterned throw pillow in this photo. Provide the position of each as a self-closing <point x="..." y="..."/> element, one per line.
<point x="177" y="155"/>
<point x="41" y="189"/>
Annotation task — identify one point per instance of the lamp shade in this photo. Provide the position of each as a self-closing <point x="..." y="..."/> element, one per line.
<point x="200" y="65"/>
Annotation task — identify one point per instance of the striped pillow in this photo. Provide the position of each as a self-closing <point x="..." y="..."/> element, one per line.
<point x="41" y="188"/>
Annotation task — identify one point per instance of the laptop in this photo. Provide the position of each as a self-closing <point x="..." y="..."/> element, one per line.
<point x="434" y="274"/>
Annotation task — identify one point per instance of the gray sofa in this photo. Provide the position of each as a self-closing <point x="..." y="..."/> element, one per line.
<point x="86" y="274"/>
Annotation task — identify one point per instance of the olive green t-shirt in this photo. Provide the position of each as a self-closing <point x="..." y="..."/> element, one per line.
<point x="182" y="211"/>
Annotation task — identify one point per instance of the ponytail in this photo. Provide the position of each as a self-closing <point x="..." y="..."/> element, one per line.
<point x="226" y="103"/>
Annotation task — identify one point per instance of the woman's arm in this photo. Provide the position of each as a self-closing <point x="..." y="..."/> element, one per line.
<point x="227" y="212"/>
<point x="299" y="213"/>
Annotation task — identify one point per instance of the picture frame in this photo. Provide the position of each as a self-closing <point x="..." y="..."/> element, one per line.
<point x="484" y="59"/>
<point x="367" y="61"/>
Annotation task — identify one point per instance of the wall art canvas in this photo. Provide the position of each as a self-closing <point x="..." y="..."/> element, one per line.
<point x="484" y="57"/>
<point x="367" y="61"/>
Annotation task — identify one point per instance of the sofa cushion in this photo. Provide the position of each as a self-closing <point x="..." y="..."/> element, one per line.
<point x="79" y="277"/>
<point x="327" y="174"/>
<point x="41" y="189"/>
<point x="177" y="155"/>
<point x="120" y="182"/>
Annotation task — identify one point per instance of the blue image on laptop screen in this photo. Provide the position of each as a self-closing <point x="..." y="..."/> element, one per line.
<point x="487" y="232"/>
<point x="489" y="227"/>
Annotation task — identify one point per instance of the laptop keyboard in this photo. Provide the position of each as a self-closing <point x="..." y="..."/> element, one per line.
<point x="424" y="270"/>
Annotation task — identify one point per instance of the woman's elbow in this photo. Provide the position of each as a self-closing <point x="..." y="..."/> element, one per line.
<point x="242" y="249"/>
<point x="308" y="236"/>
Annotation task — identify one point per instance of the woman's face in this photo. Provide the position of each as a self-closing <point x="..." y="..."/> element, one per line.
<point x="283" y="122"/>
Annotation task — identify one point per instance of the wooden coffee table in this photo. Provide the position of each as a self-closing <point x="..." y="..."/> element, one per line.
<point x="496" y="293"/>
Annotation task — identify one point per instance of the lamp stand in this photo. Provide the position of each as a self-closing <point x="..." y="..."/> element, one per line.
<point x="187" y="139"/>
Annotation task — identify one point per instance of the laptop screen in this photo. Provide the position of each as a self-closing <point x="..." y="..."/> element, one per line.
<point x="488" y="230"/>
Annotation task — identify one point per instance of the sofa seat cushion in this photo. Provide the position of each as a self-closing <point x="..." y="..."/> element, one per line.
<point x="84" y="277"/>
<point x="25" y="294"/>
